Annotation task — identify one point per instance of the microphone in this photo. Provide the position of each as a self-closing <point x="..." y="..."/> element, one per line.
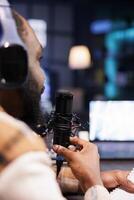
<point x="62" y="122"/>
<point x="63" y="118"/>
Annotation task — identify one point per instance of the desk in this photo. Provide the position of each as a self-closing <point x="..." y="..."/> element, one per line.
<point x="111" y="164"/>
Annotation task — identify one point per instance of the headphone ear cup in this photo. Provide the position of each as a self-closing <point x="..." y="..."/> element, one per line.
<point x="13" y="66"/>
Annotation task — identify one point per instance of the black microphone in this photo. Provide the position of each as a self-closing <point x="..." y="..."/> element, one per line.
<point x="62" y="122"/>
<point x="63" y="118"/>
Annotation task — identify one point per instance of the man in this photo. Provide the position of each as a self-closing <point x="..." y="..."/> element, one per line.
<point x="25" y="168"/>
<point x="23" y="102"/>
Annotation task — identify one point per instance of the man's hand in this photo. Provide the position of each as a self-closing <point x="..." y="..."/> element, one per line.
<point x="117" y="178"/>
<point x="84" y="163"/>
<point x="111" y="179"/>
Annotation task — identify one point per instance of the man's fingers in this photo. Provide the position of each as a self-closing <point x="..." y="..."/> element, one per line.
<point x="124" y="182"/>
<point x="72" y="148"/>
<point x="77" y="141"/>
<point x="128" y="186"/>
<point x="67" y="153"/>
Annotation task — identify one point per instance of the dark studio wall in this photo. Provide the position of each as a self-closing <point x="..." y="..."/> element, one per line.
<point x="68" y="23"/>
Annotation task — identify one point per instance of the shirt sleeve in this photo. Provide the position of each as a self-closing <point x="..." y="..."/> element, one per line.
<point x="29" y="177"/>
<point x="97" y="192"/>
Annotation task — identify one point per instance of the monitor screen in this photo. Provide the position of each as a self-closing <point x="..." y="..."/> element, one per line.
<point x="111" y="120"/>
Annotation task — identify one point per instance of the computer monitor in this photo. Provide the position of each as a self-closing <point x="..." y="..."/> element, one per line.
<point x="112" y="127"/>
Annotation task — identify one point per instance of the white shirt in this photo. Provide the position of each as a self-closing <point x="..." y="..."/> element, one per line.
<point x="97" y="192"/>
<point x="30" y="177"/>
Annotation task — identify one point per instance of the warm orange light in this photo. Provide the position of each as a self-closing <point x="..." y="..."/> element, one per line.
<point x="79" y="57"/>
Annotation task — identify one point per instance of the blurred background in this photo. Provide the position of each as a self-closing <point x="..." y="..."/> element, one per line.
<point x="88" y="47"/>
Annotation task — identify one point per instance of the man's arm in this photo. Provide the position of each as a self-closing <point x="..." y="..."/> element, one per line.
<point x="25" y="169"/>
<point x="29" y="177"/>
<point x="86" y="168"/>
